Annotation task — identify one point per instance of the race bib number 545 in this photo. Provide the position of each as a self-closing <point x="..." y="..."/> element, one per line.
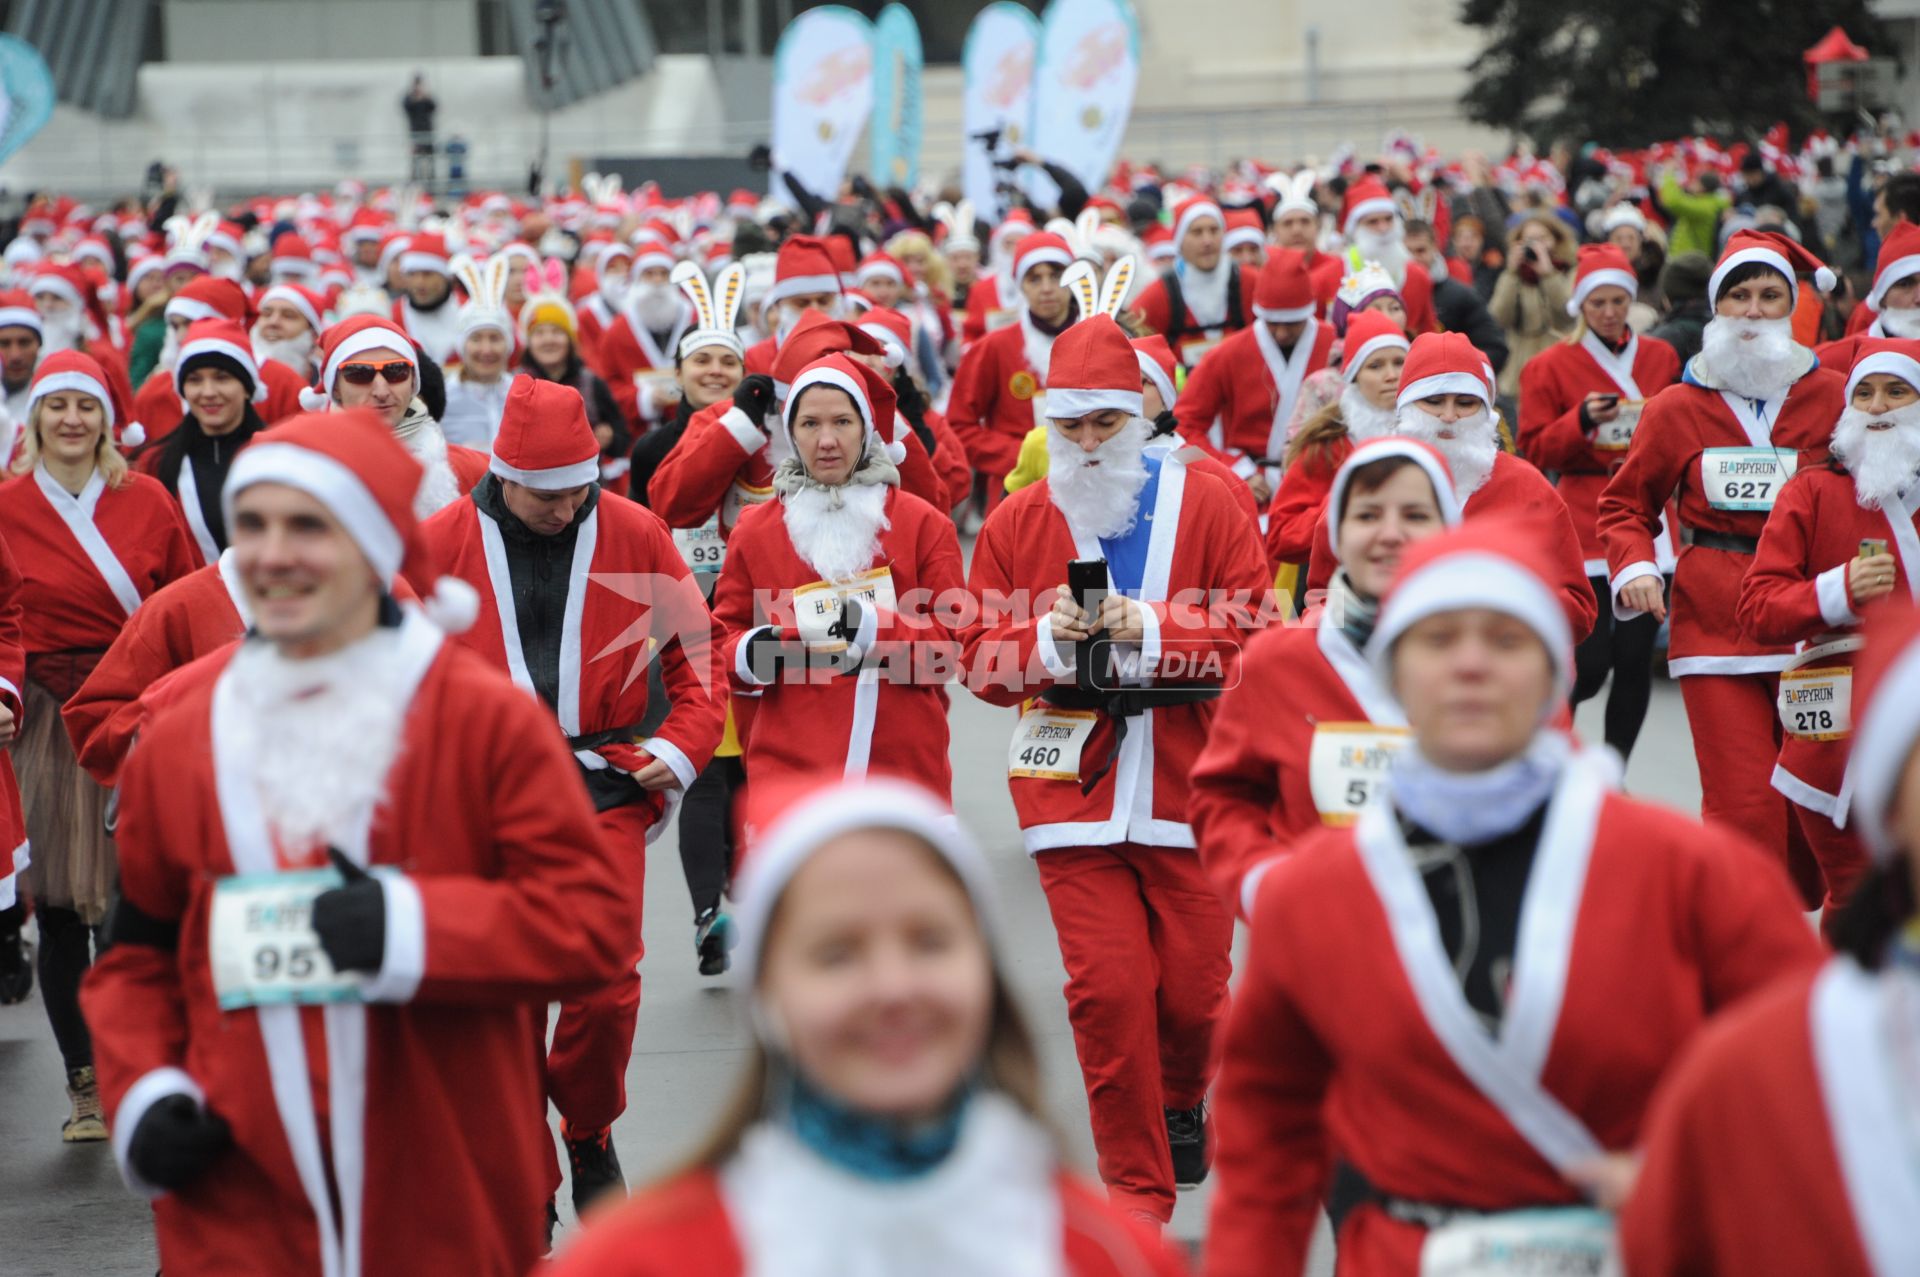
<point x="262" y="945"/>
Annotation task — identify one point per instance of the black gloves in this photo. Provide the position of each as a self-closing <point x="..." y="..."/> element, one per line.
<point x="754" y="396"/>
<point x="176" y="1141"/>
<point x="1165" y="424"/>
<point x="766" y="654"/>
<point x="847" y="628"/>
<point x="351" y="920"/>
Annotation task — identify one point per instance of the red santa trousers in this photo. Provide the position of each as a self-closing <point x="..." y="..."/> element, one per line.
<point x="1843" y="862"/>
<point x="1736" y="742"/>
<point x="593" y="1038"/>
<point x="1147" y="947"/>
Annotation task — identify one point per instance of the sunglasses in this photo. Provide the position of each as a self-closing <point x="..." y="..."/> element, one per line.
<point x="362" y="374"/>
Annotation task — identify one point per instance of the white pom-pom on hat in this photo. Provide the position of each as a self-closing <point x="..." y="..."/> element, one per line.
<point x="896" y="452"/>
<point x="454" y="605"/>
<point x="134" y="435"/>
<point x="314" y="399"/>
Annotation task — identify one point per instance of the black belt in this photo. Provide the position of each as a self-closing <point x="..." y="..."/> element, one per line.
<point x="1120" y="704"/>
<point x="607" y="787"/>
<point x="594" y="740"/>
<point x="1431" y="1215"/>
<point x="1729" y="541"/>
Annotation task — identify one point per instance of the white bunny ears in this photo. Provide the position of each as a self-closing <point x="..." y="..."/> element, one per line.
<point x="485" y="284"/>
<point x="715" y="308"/>
<point x="1110" y="299"/>
<point x="1295" y="192"/>
<point x="958" y="219"/>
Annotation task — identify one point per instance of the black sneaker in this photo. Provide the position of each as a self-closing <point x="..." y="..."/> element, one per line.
<point x="594" y="1168"/>
<point x="16" y="968"/>
<point x="553" y="1222"/>
<point x="713" y="940"/>
<point x="1190" y="1140"/>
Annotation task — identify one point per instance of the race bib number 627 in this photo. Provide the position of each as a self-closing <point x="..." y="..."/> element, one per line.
<point x="1744" y="478"/>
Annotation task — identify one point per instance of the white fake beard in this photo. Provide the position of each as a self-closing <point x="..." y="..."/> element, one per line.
<point x="1099" y="492"/>
<point x="318" y="737"/>
<point x="230" y="269"/>
<point x="1363" y="420"/>
<point x="1754" y="358"/>
<point x="295" y="352"/>
<point x="1903" y="323"/>
<point x="837" y="531"/>
<point x="1882" y="462"/>
<point x="1469" y="454"/>
<point x="1205" y="292"/>
<point x="62" y="332"/>
<point x="656" y="305"/>
<point x="169" y="350"/>
<point x="439" y="488"/>
<point x="1388" y="250"/>
<point x="614" y="290"/>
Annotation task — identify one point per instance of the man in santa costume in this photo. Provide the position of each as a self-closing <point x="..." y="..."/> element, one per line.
<point x="804" y="279"/>
<point x="20" y="345"/>
<point x="612" y="266"/>
<point x="578" y="590"/>
<point x="993" y="298"/>
<point x="1445" y="401"/>
<point x="367" y="362"/>
<point x="999" y="390"/>
<point x="636" y="351"/>
<point x="1296" y="225"/>
<point x="354" y="864"/>
<point x="1206" y="295"/>
<point x="429" y="311"/>
<point x="1370" y="219"/>
<point x="158" y="406"/>
<point x="1098" y="766"/>
<point x="1239" y="401"/>
<point x="288" y="329"/>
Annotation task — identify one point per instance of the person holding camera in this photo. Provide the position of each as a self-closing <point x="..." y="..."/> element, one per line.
<point x="1530" y="299"/>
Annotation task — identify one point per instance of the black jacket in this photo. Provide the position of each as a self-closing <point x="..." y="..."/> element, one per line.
<point x="1460" y="310"/>
<point x="211" y="457"/>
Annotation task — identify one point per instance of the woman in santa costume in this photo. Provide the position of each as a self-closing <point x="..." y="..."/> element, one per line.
<point x="1579" y="403"/>
<point x="159" y="405"/>
<point x="1240" y="399"/>
<point x="837" y="595"/>
<point x="1841" y="538"/>
<point x="551" y="342"/>
<point x="1529" y="947"/>
<point x="1099" y="761"/>
<point x="93" y="541"/>
<point x="14" y="849"/>
<point x="1303" y="740"/>
<point x="1445" y="400"/>
<point x="805" y="281"/>
<point x="635" y="354"/>
<point x="1206" y="294"/>
<point x="1819" y="1068"/>
<point x="1889" y="308"/>
<point x="218" y="380"/>
<point x="357" y="863"/>
<point x="894" y="331"/>
<point x="368" y="362"/>
<point x="1374" y="349"/>
<point x="853" y="1147"/>
<point x="1725" y="440"/>
<point x="999" y="390"/>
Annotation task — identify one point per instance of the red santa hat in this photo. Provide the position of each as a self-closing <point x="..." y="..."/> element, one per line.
<point x="292" y="258"/>
<point x="840" y="250"/>
<point x="1157" y="365"/>
<point x="17" y="311"/>
<point x="544" y="440"/>
<point x="1422" y="455"/>
<point x="209" y="297"/>
<point x="71" y="370"/>
<point x="365" y="225"/>
<point x="1158" y="242"/>
<point x="1243" y="227"/>
<point x="426" y="250"/>
<point x="879" y="266"/>
<point x="789" y="820"/>
<point x="872" y="397"/>
<point x="813" y="338"/>
<point x="230" y="238"/>
<point x="602" y="251"/>
<point x="801" y="268"/>
<point x="1493" y="563"/>
<point x="72" y="284"/>
<point x="1193" y="209"/>
<point x="1886" y="687"/>
<point x="1284" y="294"/>
<point x="1093" y="369"/>
<point x="1769" y="248"/>
<point x="140" y="264"/>
<point x="742" y="203"/>
<point x="310" y="304"/>
<point x="892" y="330"/>
<point x="1444" y="364"/>
<point x="1899" y="259"/>
<point x="1039" y="249"/>
<point x="1601" y="266"/>
<point x="1883" y="355"/>
<point x="1364" y="198"/>
<point x="356" y="467"/>
<point x="94" y="249"/>
<point x="350" y="337"/>
<point x="650" y="251"/>
<point x="1368" y="333"/>
<point x="222" y="344"/>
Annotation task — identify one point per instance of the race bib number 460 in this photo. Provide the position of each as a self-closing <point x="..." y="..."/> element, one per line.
<point x="1047" y="744"/>
<point x="1744" y="478"/>
<point x="1346" y="764"/>
<point x="262" y="945"/>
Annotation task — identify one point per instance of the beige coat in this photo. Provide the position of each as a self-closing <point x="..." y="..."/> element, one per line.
<point x="1534" y="314"/>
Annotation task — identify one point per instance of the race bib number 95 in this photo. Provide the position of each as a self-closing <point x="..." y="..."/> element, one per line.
<point x="262" y="945"/>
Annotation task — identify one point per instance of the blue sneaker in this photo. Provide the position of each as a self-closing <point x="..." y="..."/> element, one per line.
<point x="713" y="940"/>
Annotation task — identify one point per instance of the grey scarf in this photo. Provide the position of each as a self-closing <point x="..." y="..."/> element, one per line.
<point x="791" y="476"/>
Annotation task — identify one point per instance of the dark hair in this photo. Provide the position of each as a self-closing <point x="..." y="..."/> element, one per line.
<point x="1881" y="907"/>
<point x="1901" y="195"/>
<point x="1743" y="273"/>
<point x="1374" y="475"/>
<point x="1417" y="226"/>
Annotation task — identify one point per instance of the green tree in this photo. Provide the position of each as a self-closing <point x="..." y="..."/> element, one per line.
<point x="1627" y="74"/>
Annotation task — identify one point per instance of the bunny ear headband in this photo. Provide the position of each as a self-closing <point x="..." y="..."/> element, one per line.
<point x="715" y="319"/>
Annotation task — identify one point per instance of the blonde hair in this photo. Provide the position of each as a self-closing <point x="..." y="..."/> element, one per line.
<point x="107" y="459"/>
<point x="934" y="270"/>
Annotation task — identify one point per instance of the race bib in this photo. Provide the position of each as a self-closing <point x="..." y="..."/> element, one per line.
<point x="1816" y="704"/>
<point x="1194" y="348"/>
<point x="658" y="378"/>
<point x="741" y="497"/>
<point x="1345" y="765"/>
<point x="262" y="944"/>
<point x="1745" y="478"/>
<point x="817" y="606"/>
<point x="1616" y="435"/>
<point x="1047" y="743"/>
<point x="703" y="547"/>
<point x="1572" y="1241"/>
<point x="1000" y="318"/>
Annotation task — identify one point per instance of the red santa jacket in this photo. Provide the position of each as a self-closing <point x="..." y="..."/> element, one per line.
<point x="1669" y="454"/>
<point x="1293" y="516"/>
<point x="997" y="397"/>
<point x="1672" y="922"/>
<point x="891" y="717"/>
<point x="986" y="312"/>
<point x="1238" y="401"/>
<point x="1204" y="584"/>
<point x="594" y="317"/>
<point x="1416" y="294"/>
<point x="1517" y="490"/>
<point x="1796" y="591"/>
<point x="506" y="897"/>
<point x="629" y="596"/>
<point x="636" y="370"/>
<point x="1784" y="1103"/>
<point x="950" y="460"/>
<point x="89" y="561"/>
<point x="1325" y="270"/>
<point x="157" y="406"/>
<point x="13" y="682"/>
<point x="1553" y="385"/>
<point x="682" y="1228"/>
<point x="1156" y="310"/>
